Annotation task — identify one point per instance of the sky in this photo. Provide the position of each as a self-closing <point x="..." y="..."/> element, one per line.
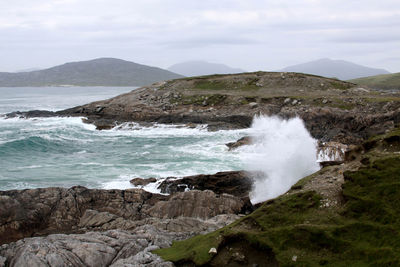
<point x="248" y="34"/>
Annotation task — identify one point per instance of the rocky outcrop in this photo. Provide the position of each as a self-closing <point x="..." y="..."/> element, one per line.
<point x="92" y="227"/>
<point x="332" y="110"/>
<point x="111" y="248"/>
<point x="246" y="140"/>
<point x="115" y="248"/>
<point x="40" y="211"/>
<point x="57" y="210"/>
<point x="31" y="114"/>
<point x="142" y="182"/>
<point x="237" y="183"/>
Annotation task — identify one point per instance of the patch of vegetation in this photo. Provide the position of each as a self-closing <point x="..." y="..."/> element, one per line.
<point x="194" y="249"/>
<point x="342" y="105"/>
<point x="340" y="85"/>
<point x="381" y="99"/>
<point x="334" y="102"/>
<point x="365" y="231"/>
<point x="385" y="81"/>
<point x="300" y="184"/>
<point x="204" y="84"/>
<point x="203" y="100"/>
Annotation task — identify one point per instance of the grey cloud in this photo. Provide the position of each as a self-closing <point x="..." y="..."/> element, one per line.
<point x="251" y="34"/>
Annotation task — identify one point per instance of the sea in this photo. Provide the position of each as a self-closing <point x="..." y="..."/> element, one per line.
<point x="47" y="152"/>
<point x="65" y="152"/>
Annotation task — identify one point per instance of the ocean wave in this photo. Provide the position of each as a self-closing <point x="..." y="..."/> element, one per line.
<point x="31" y="144"/>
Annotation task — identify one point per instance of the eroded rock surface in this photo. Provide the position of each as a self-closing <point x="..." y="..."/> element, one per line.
<point x="197" y="204"/>
<point x="108" y="248"/>
<point x="93" y="227"/>
<point x="40" y="211"/>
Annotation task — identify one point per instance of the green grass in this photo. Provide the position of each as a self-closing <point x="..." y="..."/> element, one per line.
<point x="365" y="231"/>
<point x="195" y="248"/>
<point x="385" y="81"/>
<point x="204" y="84"/>
<point x="340" y="85"/>
<point x="381" y="99"/>
<point x="202" y="100"/>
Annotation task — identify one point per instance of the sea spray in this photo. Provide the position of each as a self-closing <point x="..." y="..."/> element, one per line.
<point x="283" y="151"/>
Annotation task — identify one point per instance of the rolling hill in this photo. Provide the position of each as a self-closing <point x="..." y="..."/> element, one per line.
<point x="385" y="81"/>
<point x="340" y="69"/>
<point x="97" y="72"/>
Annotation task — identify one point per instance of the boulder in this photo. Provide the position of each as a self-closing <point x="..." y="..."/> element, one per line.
<point x="246" y="140"/>
<point x="142" y="181"/>
<point x="237" y="183"/>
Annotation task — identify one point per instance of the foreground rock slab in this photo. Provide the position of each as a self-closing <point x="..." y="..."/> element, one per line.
<point x="45" y="211"/>
<point x="108" y="248"/>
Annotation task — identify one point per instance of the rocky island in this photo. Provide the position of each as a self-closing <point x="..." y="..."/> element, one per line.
<point x="345" y="214"/>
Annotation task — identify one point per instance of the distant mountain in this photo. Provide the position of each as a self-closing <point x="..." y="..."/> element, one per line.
<point x="340" y="69"/>
<point x="385" y="81"/>
<point x="28" y="70"/>
<point x="200" y="68"/>
<point x="97" y="72"/>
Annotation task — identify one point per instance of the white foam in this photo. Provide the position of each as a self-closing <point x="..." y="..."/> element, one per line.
<point x="283" y="151"/>
<point x="123" y="182"/>
<point x="29" y="167"/>
<point x="117" y="184"/>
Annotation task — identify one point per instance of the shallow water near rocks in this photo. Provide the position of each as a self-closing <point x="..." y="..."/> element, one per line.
<point x="65" y="152"/>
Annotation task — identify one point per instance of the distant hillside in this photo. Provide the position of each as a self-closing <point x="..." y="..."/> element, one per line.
<point x="200" y="68"/>
<point x="27" y="70"/>
<point x="340" y="69"/>
<point x="97" y="72"/>
<point x="386" y="81"/>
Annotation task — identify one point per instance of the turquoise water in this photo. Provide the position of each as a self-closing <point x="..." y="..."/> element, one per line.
<point x="44" y="152"/>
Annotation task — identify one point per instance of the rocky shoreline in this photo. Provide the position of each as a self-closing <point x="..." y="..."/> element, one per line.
<point x="92" y="227"/>
<point x="332" y="110"/>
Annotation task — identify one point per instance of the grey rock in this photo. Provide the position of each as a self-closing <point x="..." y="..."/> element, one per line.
<point x="108" y="248"/>
<point x="253" y="105"/>
<point x="246" y="140"/>
<point x="89" y="249"/>
<point x="22" y="213"/>
<point x="197" y="204"/>
<point x="237" y="183"/>
<point x="142" y="181"/>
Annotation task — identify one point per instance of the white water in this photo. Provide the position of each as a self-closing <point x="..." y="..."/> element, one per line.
<point x="283" y="151"/>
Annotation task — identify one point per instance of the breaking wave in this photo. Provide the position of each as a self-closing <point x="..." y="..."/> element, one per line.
<point x="284" y="152"/>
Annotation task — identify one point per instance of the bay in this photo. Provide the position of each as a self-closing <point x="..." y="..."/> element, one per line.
<point x="43" y="152"/>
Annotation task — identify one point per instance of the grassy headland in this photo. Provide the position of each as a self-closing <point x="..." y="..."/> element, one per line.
<point x="300" y="229"/>
<point x="385" y="81"/>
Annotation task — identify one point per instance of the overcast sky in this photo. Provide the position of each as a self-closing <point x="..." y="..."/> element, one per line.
<point x="250" y="34"/>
